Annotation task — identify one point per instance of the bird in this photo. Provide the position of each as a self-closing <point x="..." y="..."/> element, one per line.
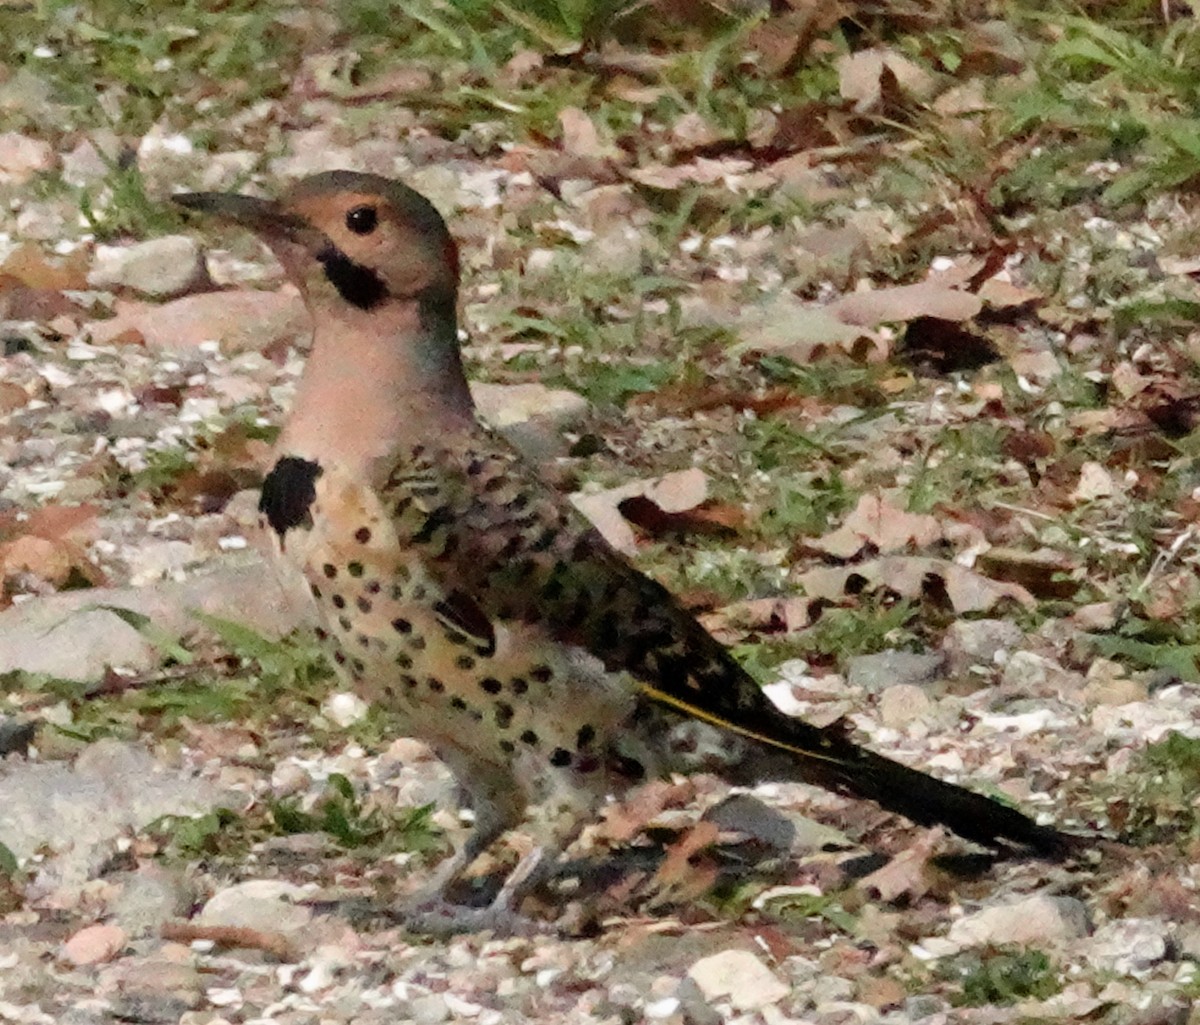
<point x="464" y="593"/>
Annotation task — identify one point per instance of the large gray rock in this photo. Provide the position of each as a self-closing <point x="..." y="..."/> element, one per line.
<point x="1039" y="920"/>
<point x="75" y="636"/>
<point x="874" y="673"/>
<point x="77" y="812"/>
<point x="161" y="268"/>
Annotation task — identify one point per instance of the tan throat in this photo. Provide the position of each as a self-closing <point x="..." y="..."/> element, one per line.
<point x="376" y="381"/>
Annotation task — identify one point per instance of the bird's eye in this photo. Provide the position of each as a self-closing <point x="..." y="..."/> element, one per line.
<point x="362" y="220"/>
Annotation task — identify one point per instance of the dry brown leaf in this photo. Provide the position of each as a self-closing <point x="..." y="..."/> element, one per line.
<point x="904" y="303"/>
<point x="712" y="518"/>
<point x="580" y="137"/>
<point x="802" y="332"/>
<point x="679" y="877"/>
<point x="672" y="493"/>
<point x="912" y="577"/>
<point x="758" y="615"/>
<point x="735" y="174"/>
<point x="1046" y="573"/>
<point x="862" y="77"/>
<point x="30" y="266"/>
<point x="878" y="523"/>
<point x="907" y="874"/>
<point x="625" y="819"/>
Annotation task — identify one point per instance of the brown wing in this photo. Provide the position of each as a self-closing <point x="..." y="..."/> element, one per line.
<point x="509" y="548"/>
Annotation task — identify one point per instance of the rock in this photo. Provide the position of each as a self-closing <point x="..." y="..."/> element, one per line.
<point x="150" y="896"/>
<point x="531" y="416"/>
<point x="1037" y="920"/>
<point x="696" y="1009"/>
<point x="76" y="813"/>
<point x="94" y="944"/>
<point x="15" y="735"/>
<point x="738" y="976"/>
<point x="1128" y="945"/>
<point x="240" y="319"/>
<point x="903" y="704"/>
<point x="87" y="163"/>
<point x="874" y="673"/>
<point x="1031" y="674"/>
<point x="161" y="268"/>
<point x="71" y="636"/>
<point x="743" y="813"/>
<point x="429" y="1009"/>
<point x="970" y="642"/>
<point x="268" y="905"/>
<point x="22" y="157"/>
<point x="344" y="708"/>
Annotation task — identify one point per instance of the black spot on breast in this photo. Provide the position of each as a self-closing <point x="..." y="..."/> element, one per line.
<point x="288" y="494"/>
<point x="362" y="535"/>
<point x="504" y="715"/>
<point x="357" y="284"/>
<point x="560" y="756"/>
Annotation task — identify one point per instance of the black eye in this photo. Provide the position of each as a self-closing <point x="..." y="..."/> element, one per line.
<point x="362" y="220"/>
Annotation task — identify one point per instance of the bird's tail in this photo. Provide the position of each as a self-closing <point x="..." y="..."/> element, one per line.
<point x="792" y="749"/>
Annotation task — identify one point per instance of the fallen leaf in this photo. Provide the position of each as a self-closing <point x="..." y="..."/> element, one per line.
<point x="1094" y="482"/>
<point x="625" y="819"/>
<point x="715" y="519"/>
<point x="903" y="303"/>
<point x="672" y="493"/>
<point x="878" y="523"/>
<point x="803" y="332"/>
<point x="861" y="77"/>
<point x="758" y="615"/>
<point x="30" y="266"/>
<point x="580" y="137"/>
<point x="911" y="577"/>
<point x="1045" y="573"/>
<point x="681" y="876"/>
<point x="907" y="874"/>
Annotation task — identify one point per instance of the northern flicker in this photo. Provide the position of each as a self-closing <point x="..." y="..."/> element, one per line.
<point x="463" y="592"/>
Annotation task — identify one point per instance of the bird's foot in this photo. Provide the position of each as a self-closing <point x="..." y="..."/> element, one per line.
<point x="439" y="919"/>
<point x="434" y="915"/>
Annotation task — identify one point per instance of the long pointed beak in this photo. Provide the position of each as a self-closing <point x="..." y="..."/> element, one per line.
<point x="264" y="217"/>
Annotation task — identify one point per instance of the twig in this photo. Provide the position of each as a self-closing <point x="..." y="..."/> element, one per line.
<point x="232" y="936"/>
<point x="1168" y="555"/>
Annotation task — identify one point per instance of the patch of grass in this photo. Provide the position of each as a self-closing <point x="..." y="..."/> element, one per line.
<point x="1172" y="645"/>
<point x="797" y="907"/>
<point x="118" y="207"/>
<point x="1002" y="976"/>
<point x="1155" y="801"/>
<point x="341" y="815"/>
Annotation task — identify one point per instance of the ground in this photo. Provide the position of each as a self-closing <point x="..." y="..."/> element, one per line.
<point x="869" y="329"/>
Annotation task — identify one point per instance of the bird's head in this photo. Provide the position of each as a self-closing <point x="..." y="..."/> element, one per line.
<point x="351" y="240"/>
